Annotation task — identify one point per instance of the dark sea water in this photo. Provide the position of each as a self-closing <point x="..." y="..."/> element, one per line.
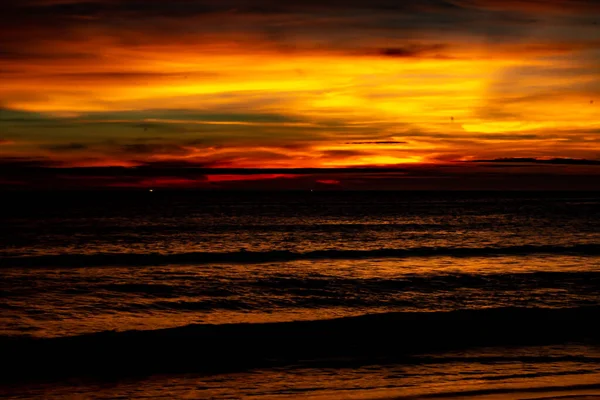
<point x="298" y="294"/>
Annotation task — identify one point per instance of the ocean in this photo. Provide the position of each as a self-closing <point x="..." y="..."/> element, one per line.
<point x="311" y="295"/>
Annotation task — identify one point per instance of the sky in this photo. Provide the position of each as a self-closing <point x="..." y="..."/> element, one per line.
<point x="327" y="94"/>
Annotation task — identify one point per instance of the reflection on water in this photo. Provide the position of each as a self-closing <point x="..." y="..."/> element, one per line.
<point x="72" y="265"/>
<point x="201" y="222"/>
<point x="506" y="370"/>
<point x="68" y="301"/>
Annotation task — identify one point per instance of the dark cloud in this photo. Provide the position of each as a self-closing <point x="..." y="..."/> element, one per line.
<point x="42" y="175"/>
<point x="9" y="115"/>
<point x="12" y="54"/>
<point x="288" y="25"/>
<point x="89" y="8"/>
<point x="65" y="147"/>
<point x="178" y="127"/>
<point x="9" y="165"/>
<point x="169" y="168"/>
<point x="216" y="115"/>
<point x="343" y="153"/>
<point x="533" y="5"/>
<point x="413" y="50"/>
<point x="175" y="164"/>
<point x="528" y="160"/>
<point x="153" y="149"/>
<point x="178" y="8"/>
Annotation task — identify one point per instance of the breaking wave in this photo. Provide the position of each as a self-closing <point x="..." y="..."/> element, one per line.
<point x="396" y="336"/>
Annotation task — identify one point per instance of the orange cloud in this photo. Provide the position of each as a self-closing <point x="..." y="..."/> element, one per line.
<point x="124" y="83"/>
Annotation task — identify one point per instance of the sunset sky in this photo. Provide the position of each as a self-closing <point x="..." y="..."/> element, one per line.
<point x="448" y="94"/>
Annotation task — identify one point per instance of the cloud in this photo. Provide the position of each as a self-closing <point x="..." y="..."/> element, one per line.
<point x="176" y="8"/>
<point x="68" y="147"/>
<point x="41" y="175"/>
<point x="415" y="50"/>
<point x="531" y="160"/>
<point x="11" y="165"/>
<point x="328" y="181"/>
<point x="303" y="27"/>
<point x="379" y="142"/>
<point x="341" y="154"/>
<point x="560" y="6"/>
<point x="299" y="84"/>
<point x="130" y="76"/>
<point x="153" y="149"/>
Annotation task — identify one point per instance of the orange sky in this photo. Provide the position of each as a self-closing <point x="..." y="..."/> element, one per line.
<point x="321" y="84"/>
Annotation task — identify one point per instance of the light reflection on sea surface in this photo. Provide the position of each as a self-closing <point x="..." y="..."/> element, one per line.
<point x="68" y="301"/>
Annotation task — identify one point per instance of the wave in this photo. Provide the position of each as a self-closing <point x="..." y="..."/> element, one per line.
<point x="570" y="392"/>
<point x="137" y="259"/>
<point x="387" y="337"/>
<point x="314" y="292"/>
